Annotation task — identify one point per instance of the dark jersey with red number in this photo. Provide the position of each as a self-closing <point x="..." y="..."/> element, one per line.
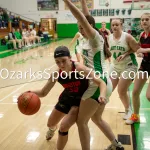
<point x="145" y="43"/>
<point x="73" y="85"/>
<point x="105" y="32"/>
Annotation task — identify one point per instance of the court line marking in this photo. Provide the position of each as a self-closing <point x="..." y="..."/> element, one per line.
<point x="23" y="86"/>
<point x="27" y="83"/>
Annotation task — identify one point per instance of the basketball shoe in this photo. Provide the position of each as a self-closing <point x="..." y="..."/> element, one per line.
<point x="50" y="133"/>
<point x="128" y="114"/>
<point x="117" y="146"/>
<point x="135" y="118"/>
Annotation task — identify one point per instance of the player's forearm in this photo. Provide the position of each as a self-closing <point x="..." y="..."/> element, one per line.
<point x="128" y="52"/>
<point x="103" y="89"/>
<point x="39" y="93"/>
<point x="75" y="11"/>
<point x="147" y="50"/>
<point x="71" y="43"/>
<point x="84" y="8"/>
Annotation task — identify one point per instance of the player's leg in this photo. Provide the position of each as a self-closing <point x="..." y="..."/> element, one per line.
<point x="114" y="76"/>
<point x="139" y="82"/>
<point x="105" y="128"/>
<point x="148" y="92"/>
<point x="53" y="120"/>
<point x="123" y="86"/>
<point x="66" y="123"/>
<point x="86" y="110"/>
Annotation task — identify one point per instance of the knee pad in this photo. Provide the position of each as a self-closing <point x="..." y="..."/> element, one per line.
<point x="63" y="133"/>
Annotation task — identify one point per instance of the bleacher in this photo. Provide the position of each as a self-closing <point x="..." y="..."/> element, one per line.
<point x="6" y="45"/>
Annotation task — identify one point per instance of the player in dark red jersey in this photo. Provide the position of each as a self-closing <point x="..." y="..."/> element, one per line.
<point x="72" y="76"/>
<point x="144" y="73"/>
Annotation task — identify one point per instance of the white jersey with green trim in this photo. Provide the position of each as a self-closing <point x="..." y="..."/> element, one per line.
<point x="119" y="47"/>
<point x="80" y="41"/>
<point x="93" y="53"/>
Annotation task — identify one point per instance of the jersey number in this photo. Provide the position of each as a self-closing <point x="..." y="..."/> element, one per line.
<point x="74" y="89"/>
<point x="116" y="56"/>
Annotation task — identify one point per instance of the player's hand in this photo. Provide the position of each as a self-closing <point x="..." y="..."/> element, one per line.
<point x="102" y="99"/>
<point x="140" y="55"/>
<point x="141" y="50"/>
<point x="121" y="57"/>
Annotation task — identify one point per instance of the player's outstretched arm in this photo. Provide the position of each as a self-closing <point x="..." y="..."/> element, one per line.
<point x="84" y="8"/>
<point x="90" y="31"/>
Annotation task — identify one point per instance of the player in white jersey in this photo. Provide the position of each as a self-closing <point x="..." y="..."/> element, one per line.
<point x="122" y="46"/>
<point x="78" y="47"/>
<point x="93" y="54"/>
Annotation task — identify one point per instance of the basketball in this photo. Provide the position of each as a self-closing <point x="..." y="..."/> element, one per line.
<point x="29" y="103"/>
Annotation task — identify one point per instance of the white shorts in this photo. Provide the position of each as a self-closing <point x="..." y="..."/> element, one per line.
<point x="94" y="92"/>
<point x="127" y="71"/>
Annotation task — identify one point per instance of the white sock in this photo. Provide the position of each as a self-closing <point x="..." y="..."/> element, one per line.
<point x="114" y="142"/>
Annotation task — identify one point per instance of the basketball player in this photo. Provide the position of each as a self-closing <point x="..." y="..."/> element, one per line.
<point x="104" y="30"/>
<point x="122" y="46"/>
<point x="93" y="55"/>
<point x="106" y="33"/>
<point x="144" y="69"/>
<point x="69" y="100"/>
<point x="79" y="38"/>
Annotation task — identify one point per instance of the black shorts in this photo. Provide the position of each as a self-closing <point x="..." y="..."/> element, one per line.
<point x="145" y="66"/>
<point x="66" y="102"/>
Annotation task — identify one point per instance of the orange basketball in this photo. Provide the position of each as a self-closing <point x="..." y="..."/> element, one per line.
<point x="29" y="103"/>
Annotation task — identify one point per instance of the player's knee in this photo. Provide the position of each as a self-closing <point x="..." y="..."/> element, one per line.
<point x="81" y="122"/>
<point x="64" y="128"/>
<point x="96" y="120"/>
<point x="63" y="133"/>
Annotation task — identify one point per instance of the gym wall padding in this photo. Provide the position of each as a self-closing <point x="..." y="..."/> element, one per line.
<point x="69" y="30"/>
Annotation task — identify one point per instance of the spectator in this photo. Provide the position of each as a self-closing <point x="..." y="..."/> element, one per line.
<point x="11" y="17"/>
<point x="6" y="17"/>
<point x="15" y="21"/>
<point x="2" y="22"/>
<point x="25" y="37"/>
<point x="30" y="37"/>
<point x="19" y="36"/>
<point x="40" y="32"/>
<point x="33" y="33"/>
<point x="12" y="38"/>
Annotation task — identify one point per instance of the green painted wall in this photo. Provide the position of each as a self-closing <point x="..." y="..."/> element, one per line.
<point x="69" y="30"/>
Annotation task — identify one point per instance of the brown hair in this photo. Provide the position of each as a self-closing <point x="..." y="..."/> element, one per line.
<point x="91" y="21"/>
